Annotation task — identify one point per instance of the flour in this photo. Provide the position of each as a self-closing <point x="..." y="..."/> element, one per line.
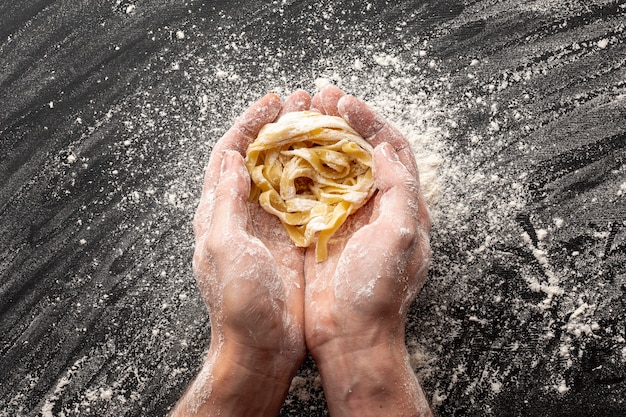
<point x="562" y="388"/>
<point x="106" y="394"/>
<point x="61" y="385"/>
<point x="492" y="273"/>
<point x="603" y="43"/>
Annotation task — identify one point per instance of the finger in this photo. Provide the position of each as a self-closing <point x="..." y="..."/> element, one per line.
<point x="230" y="213"/>
<point x="244" y="131"/>
<point x="424" y="214"/>
<point x="247" y="126"/>
<point x="390" y="172"/>
<point x="205" y="207"/>
<point x="399" y="204"/>
<point x="299" y="100"/>
<point x="326" y="100"/>
<point x="316" y="103"/>
<point x="375" y="129"/>
<point x="238" y="137"/>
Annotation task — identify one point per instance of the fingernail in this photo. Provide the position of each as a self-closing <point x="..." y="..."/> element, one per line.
<point x="227" y="161"/>
<point x="389" y="152"/>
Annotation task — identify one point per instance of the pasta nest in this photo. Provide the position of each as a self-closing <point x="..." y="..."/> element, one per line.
<point x="312" y="171"/>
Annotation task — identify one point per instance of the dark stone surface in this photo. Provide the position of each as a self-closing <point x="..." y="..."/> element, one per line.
<point x="107" y="117"/>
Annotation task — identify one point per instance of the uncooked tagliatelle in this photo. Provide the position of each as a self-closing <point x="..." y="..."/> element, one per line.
<point x="312" y="171"/>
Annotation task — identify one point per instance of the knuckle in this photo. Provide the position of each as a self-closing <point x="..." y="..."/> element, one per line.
<point x="197" y="224"/>
<point x="406" y="234"/>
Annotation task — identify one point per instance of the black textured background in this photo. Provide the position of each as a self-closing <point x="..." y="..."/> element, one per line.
<point x="109" y="109"/>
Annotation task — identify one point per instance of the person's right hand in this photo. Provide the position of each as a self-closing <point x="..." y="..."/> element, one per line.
<point x="356" y="301"/>
<point x="251" y="277"/>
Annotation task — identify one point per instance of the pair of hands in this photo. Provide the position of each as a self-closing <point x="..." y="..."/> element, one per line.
<point x="270" y="301"/>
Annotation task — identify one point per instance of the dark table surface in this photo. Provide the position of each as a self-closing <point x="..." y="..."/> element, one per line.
<point x="517" y="111"/>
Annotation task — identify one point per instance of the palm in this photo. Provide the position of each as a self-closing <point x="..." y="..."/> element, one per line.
<point x="334" y="286"/>
<point x="287" y="258"/>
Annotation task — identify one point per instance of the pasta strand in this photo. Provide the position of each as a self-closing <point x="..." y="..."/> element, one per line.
<point x="311" y="171"/>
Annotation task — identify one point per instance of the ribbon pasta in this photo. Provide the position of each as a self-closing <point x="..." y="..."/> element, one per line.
<point x="312" y="171"/>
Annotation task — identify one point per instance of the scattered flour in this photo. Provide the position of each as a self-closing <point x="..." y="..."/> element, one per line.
<point x="562" y="388"/>
<point x="106" y="394"/>
<point x="474" y="199"/>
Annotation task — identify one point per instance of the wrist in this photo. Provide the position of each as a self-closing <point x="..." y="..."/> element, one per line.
<point x="236" y="382"/>
<point x="269" y="365"/>
<point x="359" y="372"/>
<point x="373" y="381"/>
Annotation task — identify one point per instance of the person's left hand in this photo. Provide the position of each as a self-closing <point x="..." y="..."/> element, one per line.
<point x="357" y="300"/>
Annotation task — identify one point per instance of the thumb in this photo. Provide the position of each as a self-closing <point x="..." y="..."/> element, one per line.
<point x="231" y="194"/>
<point x="398" y="207"/>
<point x="390" y="172"/>
<point x="400" y="190"/>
